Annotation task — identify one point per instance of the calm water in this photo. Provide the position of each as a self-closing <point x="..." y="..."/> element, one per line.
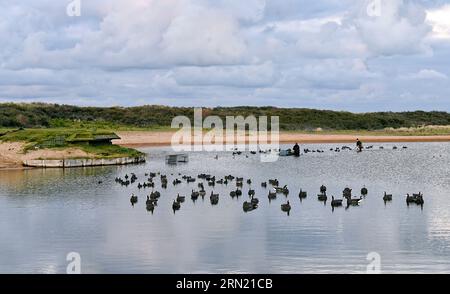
<point x="45" y="214"/>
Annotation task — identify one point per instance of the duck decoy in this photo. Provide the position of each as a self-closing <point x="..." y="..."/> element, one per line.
<point x="364" y="191"/>
<point x="283" y="190"/>
<point x="322" y="197"/>
<point x="347" y="193"/>
<point x="133" y="199"/>
<point x="387" y="197"/>
<point x="194" y="195"/>
<point x="272" y="195"/>
<point x="353" y="201"/>
<point x="264" y="184"/>
<point x="286" y="207"/>
<point x="176" y="205"/>
<point x="238" y="192"/>
<point x="150" y="207"/>
<point x="233" y="193"/>
<point x="249" y="181"/>
<point x="180" y="199"/>
<point x="251" y="192"/>
<point x="202" y="193"/>
<point x="336" y="202"/>
<point x="214" y="198"/>
<point x="323" y="189"/>
<point x="248" y="206"/>
<point x="302" y="194"/>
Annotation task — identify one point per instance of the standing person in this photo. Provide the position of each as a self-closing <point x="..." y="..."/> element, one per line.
<point x="359" y="145"/>
<point x="296" y="150"/>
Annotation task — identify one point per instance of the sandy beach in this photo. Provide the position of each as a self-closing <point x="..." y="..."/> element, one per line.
<point x="140" y="138"/>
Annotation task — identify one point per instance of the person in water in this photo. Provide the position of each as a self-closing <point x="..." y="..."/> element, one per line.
<point x="296" y="149"/>
<point x="359" y="145"/>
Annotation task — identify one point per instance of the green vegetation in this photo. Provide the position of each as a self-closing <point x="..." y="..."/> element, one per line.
<point x="58" y="138"/>
<point x="151" y="117"/>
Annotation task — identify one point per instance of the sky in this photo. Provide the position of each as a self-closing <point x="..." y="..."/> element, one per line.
<point x="355" y="55"/>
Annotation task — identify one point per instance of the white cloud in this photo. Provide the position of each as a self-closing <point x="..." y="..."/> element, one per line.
<point x="439" y="19"/>
<point x="260" y="52"/>
<point x="427" y="74"/>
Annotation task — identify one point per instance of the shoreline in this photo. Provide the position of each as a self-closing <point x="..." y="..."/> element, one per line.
<point x="11" y="157"/>
<point x="155" y="139"/>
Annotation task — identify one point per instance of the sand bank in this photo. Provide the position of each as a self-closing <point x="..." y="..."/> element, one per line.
<point x="141" y="138"/>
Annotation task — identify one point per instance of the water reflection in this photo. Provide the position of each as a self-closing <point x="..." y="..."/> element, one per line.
<point x="45" y="214"/>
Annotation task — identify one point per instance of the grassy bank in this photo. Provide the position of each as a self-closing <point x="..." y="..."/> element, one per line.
<point x="156" y="117"/>
<point x="55" y="138"/>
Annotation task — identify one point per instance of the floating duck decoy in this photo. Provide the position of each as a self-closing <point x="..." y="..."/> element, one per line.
<point x="322" y="197"/>
<point x="336" y="202"/>
<point x="251" y="192"/>
<point x="272" y="195"/>
<point x="214" y="198"/>
<point x="347" y="193"/>
<point x="353" y="201"/>
<point x="264" y="184"/>
<point x="194" y="195"/>
<point x="176" y="205"/>
<point x="180" y="199"/>
<point x="364" y="191"/>
<point x="387" y="197"/>
<point x="202" y="193"/>
<point x="283" y="190"/>
<point x="302" y="194"/>
<point x="286" y="207"/>
<point x="323" y="189"/>
<point x="150" y="207"/>
<point x="248" y="206"/>
<point x="133" y="199"/>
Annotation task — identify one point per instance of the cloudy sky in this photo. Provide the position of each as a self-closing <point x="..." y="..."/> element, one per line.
<point x="352" y="55"/>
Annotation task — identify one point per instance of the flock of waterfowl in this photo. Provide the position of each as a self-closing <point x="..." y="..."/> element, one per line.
<point x="236" y="151"/>
<point x="272" y="186"/>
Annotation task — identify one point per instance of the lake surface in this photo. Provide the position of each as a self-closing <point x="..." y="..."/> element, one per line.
<point x="45" y="214"/>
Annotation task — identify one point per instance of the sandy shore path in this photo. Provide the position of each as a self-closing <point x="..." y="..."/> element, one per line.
<point x="141" y="138"/>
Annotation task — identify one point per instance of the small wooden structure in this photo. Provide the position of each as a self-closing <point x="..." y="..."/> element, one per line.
<point x="92" y="138"/>
<point x="177" y="158"/>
